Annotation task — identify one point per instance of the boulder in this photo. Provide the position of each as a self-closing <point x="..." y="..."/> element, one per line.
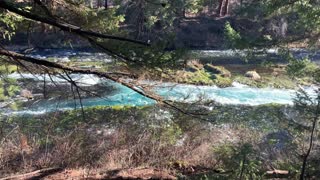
<point x="196" y="63"/>
<point x="194" y="66"/>
<point x="26" y="94"/>
<point x="253" y="75"/>
<point x="275" y="74"/>
<point x="226" y="74"/>
<point x="217" y="70"/>
<point x="192" y="69"/>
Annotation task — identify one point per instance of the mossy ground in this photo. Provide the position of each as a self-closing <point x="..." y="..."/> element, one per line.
<point x="8" y="68"/>
<point x="270" y="77"/>
<point x="267" y="80"/>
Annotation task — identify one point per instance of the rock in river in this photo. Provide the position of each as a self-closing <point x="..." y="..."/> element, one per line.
<point x="26" y="94"/>
<point x="253" y="75"/>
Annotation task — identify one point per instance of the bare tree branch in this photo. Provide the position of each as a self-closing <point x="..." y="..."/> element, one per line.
<point x="106" y="75"/>
<point x="77" y="70"/>
<point x="62" y="25"/>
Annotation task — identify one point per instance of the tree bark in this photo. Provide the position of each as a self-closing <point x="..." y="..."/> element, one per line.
<point x="223" y="8"/>
<point x="220" y="8"/>
<point x="106" y="5"/>
<point x="305" y="158"/>
<point x="226" y="8"/>
<point x="313" y="131"/>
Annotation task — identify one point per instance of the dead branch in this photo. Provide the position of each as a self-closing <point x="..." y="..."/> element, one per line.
<point x="77" y="70"/>
<point x="277" y="174"/>
<point x="35" y="174"/>
<point x="62" y="25"/>
<point x="105" y="75"/>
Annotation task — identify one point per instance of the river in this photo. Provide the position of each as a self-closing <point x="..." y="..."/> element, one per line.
<point x="238" y="94"/>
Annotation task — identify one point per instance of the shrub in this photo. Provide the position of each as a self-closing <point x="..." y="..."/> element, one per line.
<point x="233" y="38"/>
<point x="241" y="159"/>
<point x="301" y="68"/>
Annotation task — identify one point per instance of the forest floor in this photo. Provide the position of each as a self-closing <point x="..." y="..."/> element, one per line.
<point x="131" y="144"/>
<point x="57" y="173"/>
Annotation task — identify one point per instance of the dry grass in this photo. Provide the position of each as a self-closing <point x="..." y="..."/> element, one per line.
<point x="110" y="149"/>
<point x="176" y="147"/>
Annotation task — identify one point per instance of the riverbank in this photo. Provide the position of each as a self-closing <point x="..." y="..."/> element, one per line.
<point x="228" y="66"/>
<point x="120" y="142"/>
<point x="97" y="92"/>
<point x="197" y="73"/>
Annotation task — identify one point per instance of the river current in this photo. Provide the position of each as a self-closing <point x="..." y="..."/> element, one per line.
<point x="238" y="94"/>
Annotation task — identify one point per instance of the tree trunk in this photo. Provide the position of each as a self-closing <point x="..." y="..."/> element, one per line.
<point x="140" y="19"/>
<point x="91" y="4"/>
<point x="211" y="8"/>
<point x="38" y="174"/>
<point x="106" y="5"/>
<point x="305" y="158"/>
<point x="226" y="8"/>
<point x="184" y="12"/>
<point x="220" y="8"/>
<point x="99" y="3"/>
<point x="184" y="9"/>
<point x="313" y="131"/>
<point x="44" y="87"/>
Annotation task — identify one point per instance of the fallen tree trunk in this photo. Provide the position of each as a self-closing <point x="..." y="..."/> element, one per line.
<point x="277" y="174"/>
<point x="35" y="174"/>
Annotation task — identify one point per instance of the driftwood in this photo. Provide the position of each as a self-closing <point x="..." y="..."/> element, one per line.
<point x="35" y="174"/>
<point x="277" y="174"/>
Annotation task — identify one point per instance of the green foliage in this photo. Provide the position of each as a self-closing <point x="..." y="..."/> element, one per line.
<point x="308" y="108"/>
<point x="301" y="68"/>
<point x="317" y="75"/>
<point x="279" y="22"/>
<point x="233" y="38"/>
<point x="241" y="159"/>
<point x="103" y="21"/>
<point x="152" y="57"/>
<point x="7" y="69"/>
<point x="267" y="80"/>
<point x="8" y="24"/>
<point x="8" y="86"/>
<point x="193" y="6"/>
<point x="222" y="81"/>
<point x="167" y="133"/>
<point x="308" y="13"/>
<point x="147" y="16"/>
<point x="198" y="77"/>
